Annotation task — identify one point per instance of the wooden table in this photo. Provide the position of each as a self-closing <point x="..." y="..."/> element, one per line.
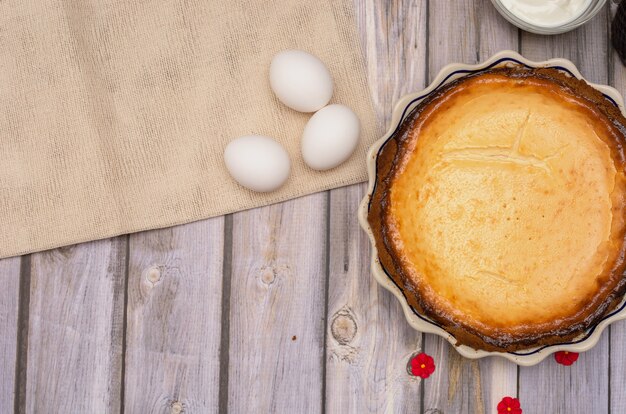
<point x="274" y="309"/>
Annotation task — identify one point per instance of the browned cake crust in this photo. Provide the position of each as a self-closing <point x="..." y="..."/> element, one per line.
<point x="608" y="297"/>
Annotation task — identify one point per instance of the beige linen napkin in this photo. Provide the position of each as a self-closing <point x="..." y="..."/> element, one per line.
<point x="114" y="114"/>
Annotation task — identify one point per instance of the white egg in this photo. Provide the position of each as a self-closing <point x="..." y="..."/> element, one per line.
<point x="257" y="162"/>
<point x="300" y="80"/>
<point x="330" y="137"/>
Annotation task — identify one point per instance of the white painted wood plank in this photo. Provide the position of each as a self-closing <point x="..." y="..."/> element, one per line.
<point x="463" y="385"/>
<point x="74" y="358"/>
<point x="174" y="319"/>
<point x="466" y="32"/>
<point x="498" y="380"/>
<point x="617" y="363"/>
<point x="277" y="308"/>
<point x="586" y="46"/>
<point x="9" y="294"/>
<point x="368" y="340"/>
<point x="617" y="340"/>
<point x="393" y="38"/>
<point x="583" y="387"/>
<point x="580" y="388"/>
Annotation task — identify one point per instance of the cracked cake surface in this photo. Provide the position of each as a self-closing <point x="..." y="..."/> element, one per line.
<point x="499" y="208"/>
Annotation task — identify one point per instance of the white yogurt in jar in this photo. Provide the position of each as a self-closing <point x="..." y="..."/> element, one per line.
<point x="547" y="13"/>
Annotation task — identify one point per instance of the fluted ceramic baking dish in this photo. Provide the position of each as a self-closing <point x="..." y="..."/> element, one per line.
<point x="421" y="322"/>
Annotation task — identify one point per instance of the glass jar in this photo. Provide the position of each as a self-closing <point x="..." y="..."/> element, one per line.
<point x="592" y="9"/>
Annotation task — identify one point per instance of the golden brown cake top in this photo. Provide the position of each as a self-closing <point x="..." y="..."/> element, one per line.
<point x="503" y="209"/>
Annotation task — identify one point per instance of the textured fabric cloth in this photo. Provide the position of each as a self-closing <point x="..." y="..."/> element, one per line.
<point x="114" y="114"/>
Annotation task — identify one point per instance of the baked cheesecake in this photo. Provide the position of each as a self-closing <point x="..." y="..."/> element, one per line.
<point x="499" y="208"/>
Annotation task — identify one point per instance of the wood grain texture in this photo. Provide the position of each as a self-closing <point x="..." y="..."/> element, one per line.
<point x="583" y="387"/>
<point x="277" y="307"/>
<point x="586" y="46"/>
<point x="368" y="340"/>
<point x="9" y="295"/>
<point x="617" y="337"/>
<point x="617" y="365"/>
<point x="466" y="32"/>
<point x="463" y="385"/>
<point x="174" y="319"/>
<point x="394" y="42"/>
<point x="74" y="359"/>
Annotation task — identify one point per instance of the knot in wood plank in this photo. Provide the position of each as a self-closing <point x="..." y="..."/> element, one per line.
<point x="268" y="274"/>
<point x="343" y="326"/>
<point x="177" y="408"/>
<point x="272" y="273"/>
<point x="152" y="275"/>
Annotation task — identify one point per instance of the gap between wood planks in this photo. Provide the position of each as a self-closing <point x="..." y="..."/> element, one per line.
<point x="225" y="328"/>
<point x="22" y="335"/>
<point x="125" y="325"/>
